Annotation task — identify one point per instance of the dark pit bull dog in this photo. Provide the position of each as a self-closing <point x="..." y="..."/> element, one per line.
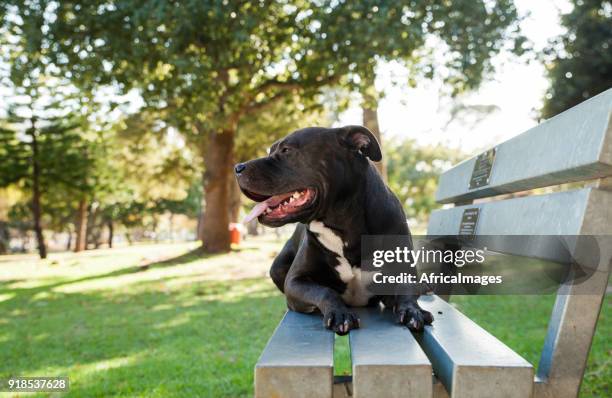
<point x="323" y="179"/>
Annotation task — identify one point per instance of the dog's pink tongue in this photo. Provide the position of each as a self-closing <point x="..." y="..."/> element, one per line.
<point x="262" y="206"/>
<point x="257" y="210"/>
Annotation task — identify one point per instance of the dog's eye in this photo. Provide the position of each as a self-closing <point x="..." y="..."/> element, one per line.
<point x="286" y="150"/>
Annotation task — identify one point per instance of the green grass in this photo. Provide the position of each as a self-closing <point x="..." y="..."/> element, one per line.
<point x="163" y="321"/>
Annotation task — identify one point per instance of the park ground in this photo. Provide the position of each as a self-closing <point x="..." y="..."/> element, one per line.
<point x="164" y="321"/>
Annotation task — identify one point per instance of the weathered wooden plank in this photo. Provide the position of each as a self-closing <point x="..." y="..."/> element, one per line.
<point x="298" y="360"/>
<point x="573" y="146"/>
<point x="387" y="360"/>
<point x="468" y="360"/>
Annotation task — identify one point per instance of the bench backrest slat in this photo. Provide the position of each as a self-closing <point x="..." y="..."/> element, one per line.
<point x="573" y="146"/>
<point x="558" y="213"/>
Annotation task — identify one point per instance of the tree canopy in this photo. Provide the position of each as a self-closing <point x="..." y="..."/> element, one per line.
<point x="413" y="172"/>
<point x="580" y="60"/>
<point x="206" y="68"/>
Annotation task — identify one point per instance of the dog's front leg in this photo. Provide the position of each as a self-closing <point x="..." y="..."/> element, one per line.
<point x="302" y="295"/>
<point x="409" y="313"/>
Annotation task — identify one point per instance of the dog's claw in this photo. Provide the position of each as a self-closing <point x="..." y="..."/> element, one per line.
<point x="341" y="321"/>
<point x="414" y="318"/>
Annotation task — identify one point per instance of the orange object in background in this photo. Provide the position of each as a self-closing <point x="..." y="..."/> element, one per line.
<point x="234" y="233"/>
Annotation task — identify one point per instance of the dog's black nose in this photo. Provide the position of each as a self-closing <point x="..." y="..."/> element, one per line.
<point x="239" y="168"/>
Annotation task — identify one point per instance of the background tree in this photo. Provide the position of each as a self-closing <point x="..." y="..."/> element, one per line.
<point x="413" y="172"/>
<point x="202" y="77"/>
<point x="580" y="60"/>
<point x="43" y="140"/>
<point x="205" y="66"/>
<point x="8" y="197"/>
<point x="453" y="41"/>
<point x="152" y="173"/>
<point x="35" y="158"/>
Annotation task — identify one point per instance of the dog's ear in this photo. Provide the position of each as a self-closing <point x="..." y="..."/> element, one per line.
<point x="361" y="139"/>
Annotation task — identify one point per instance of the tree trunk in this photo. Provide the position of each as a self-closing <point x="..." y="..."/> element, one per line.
<point x="111" y="231"/>
<point x="370" y="120"/>
<point x="81" y="227"/>
<point x="4" y="238"/>
<point x="36" y="208"/>
<point x="69" y="242"/>
<point x="128" y="236"/>
<point x="24" y="241"/>
<point x="94" y="231"/>
<point x="200" y="226"/>
<point x="215" y="226"/>
<point x="253" y="227"/>
<point x="235" y="200"/>
<point x="155" y="225"/>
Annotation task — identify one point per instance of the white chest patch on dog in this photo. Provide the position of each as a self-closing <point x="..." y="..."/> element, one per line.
<point x="333" y="243"/>
<point x="356" y="293"/>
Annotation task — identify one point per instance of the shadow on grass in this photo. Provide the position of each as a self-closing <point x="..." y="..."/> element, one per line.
<point x="186" y="258"/>
<point x="191" y="256"/>
<point x="30" y="292"/>
<point x="197" y="340"/>
<point x="5" y="283"/>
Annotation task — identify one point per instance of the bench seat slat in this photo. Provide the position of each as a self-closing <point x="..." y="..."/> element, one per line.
<point x="573" y="146"/>
<point x="387" y="360"/>
<point x="468" y="360"/>
<point x="298" y="360"/>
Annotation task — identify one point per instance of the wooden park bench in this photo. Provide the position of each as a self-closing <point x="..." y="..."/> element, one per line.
<point x="455" y="356"/>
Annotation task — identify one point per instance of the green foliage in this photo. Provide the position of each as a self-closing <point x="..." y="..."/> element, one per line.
<point x="257" y="132"/>
<point x="207" y="64"/>
<point x="359" y="34"/>
<point x="13" y="158"/>
<point x="189" y="206"/>
<point x="413" y="172"/>
<point x="256" y="69"/>
<point x="154" y="162"/>
<point x="66" y="166"/>
<point x="580" y="60"/>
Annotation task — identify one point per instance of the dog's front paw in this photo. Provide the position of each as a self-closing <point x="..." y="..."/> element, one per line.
<point x="414" y="317"/>
<point x="340" y="320"/>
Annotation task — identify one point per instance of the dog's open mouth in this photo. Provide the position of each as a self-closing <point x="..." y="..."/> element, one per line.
<point x="279" y="207"/>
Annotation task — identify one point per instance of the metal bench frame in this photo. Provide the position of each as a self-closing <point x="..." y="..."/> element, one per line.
<point x="574" y="146"/>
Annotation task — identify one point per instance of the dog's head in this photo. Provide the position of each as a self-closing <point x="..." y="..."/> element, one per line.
<point x="307" y="172"/>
